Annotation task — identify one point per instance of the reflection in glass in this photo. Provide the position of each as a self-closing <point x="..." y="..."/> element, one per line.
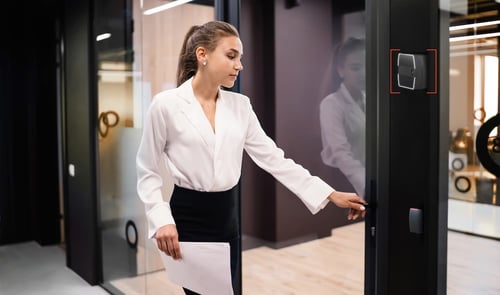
<point x="474" y="69"/>
<point x="342" y="114"/>
<point x="137" y="56"/>
<point x="121" y="216"/>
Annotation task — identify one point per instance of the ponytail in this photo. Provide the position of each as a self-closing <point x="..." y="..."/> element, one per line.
<point x="188" y="65"/>
<point x="207" y="36"/>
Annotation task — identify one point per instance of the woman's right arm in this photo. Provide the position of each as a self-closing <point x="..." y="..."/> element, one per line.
<point x="161" y="224"/>
<point x="337" y="150"/>
<point x="148" y="160"/>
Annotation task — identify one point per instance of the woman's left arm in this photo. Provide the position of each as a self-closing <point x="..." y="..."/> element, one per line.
<point x="313" y="191"/>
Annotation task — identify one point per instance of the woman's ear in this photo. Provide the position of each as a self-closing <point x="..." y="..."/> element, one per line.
<point x="201" y="53"/>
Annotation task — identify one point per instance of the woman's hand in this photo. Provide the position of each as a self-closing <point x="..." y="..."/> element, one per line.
<point x="167" y="240"/>
<point x="351" y="201"/>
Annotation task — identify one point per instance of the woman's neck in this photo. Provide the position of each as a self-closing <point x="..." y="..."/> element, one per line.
<point x="204" y="90"/>
<point x="355" y="93"/>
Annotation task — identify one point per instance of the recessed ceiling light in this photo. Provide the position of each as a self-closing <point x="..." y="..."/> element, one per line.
<point x="165" y="6"/>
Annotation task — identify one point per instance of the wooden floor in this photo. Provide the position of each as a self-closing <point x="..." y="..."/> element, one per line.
<point x="316" y="267"/>
<point x="336" y="263"/>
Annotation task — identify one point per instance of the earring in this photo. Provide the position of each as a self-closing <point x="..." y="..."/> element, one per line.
<point x="204" y="62"/>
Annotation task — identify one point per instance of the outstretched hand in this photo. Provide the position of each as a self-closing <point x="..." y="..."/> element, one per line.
<point x="351" y="201"/>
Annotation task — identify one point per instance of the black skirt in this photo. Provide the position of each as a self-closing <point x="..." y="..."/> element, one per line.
<point x="209" y="217"/>
<point x="205" y="216"/>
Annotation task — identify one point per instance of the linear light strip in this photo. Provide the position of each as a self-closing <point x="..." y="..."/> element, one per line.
<point x="472" y="37"/>
<point x="476" y="25"/>
<point x="475" y="52"/>
<point x="103" y="37"/>
<point x="165" y="6"/>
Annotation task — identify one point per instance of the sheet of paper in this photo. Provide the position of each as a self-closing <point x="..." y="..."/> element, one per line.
<point x="205" y="268"/>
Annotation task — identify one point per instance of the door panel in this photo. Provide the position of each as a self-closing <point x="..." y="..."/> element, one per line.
<point x="407" y="158"/>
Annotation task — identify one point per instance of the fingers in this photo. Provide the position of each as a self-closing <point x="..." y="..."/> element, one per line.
<point x="356" y="211"/>
<point x="174" y="249"/>
<point x="355" y="204"/>
<point x="355" y="214"/>
<point x="170" y="246"/>
<point x="162" y="245"/>
<point x="167" y="241"/>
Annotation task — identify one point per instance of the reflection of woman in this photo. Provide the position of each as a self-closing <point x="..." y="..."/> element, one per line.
<point x="342" y="115"/>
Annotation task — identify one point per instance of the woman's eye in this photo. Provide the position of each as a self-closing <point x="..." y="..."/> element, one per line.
<point x="231" y="56"/>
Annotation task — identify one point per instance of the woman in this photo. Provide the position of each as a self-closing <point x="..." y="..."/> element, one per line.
<point x="203" y="131"/>
<point x="342" y="115"/>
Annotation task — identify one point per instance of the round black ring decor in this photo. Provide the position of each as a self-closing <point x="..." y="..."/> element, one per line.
<point x="457" y="164"/>
<point x="461" y="178"/>
<point x="132" y="244"/>
<point x="482" y="145"/>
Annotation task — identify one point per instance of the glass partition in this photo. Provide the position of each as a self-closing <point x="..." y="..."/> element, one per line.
<point x="119" y="91"/>
<point x="473" y="186"/>
<point x="137" y="44"/>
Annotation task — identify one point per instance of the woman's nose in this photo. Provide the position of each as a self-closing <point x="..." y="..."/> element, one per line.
<point x="239" y="66"/>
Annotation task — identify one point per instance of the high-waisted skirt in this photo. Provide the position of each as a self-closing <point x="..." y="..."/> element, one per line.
<point x="209" y="217"/>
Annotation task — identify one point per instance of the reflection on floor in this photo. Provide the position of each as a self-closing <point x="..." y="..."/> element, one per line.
<point x="476" y="218"/>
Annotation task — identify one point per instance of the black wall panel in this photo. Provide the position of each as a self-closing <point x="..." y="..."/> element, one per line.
<point x="29" y="191"/>
<point x="80" y="99"/>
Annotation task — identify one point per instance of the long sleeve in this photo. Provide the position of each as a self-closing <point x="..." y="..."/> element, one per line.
<point x="342" y="133"/>
<point x="263" y="151"/>
<point x="148" y="161"/>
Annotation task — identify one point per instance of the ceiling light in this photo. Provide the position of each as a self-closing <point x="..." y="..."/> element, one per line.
<point x="165" y="6"/>
<point x="103" y="37"/>
<point x="476" y="25"/>
<point x="472" y="37"/>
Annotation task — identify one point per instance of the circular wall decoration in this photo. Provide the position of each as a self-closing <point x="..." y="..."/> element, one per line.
<point x="462" y="184"/>
<point x="457" y="164"/>
<point x="130" y="226"/>
<point x="489" y="157"/>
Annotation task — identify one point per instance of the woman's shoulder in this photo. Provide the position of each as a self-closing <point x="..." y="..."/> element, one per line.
<point x="166" y="97"/>
<point x="235" y="98"/>
<point x="335" y="98"/>
<point x="230" y="93"/>
<point x="165" y="94"/>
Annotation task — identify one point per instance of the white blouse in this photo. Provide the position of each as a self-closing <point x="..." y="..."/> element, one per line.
<point x="199" y="159"/>
<point x="343" y="136"/>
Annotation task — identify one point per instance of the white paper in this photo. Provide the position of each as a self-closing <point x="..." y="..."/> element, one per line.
<point x="205" y="268"/>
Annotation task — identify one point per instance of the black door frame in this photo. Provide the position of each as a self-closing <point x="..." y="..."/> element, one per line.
<point x="81" y="210"/>
<point x="404" y="171"/>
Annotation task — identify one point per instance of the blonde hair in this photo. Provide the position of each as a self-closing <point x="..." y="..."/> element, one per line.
<point x="207" y="36"/>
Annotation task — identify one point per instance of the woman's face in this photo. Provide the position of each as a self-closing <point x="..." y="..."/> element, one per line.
<point x="224" y="63"/>
<point x="353" y="70"/>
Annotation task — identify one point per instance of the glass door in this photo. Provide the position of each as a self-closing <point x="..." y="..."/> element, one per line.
<point x="162" y="34"/>
<point x="121" y="218"/>
<point x="474" y="101"/>
<point x="138" y="44"/>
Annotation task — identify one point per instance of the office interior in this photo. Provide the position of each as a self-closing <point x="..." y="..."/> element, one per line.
<point x="65" y="103"/>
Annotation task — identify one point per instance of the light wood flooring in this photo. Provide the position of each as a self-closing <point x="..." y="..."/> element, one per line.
<point x="336" y="263"/>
